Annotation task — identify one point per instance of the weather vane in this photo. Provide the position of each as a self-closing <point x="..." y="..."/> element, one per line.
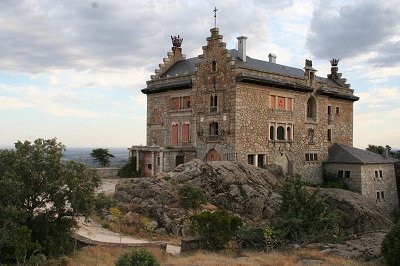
<point x="215" y="17"/>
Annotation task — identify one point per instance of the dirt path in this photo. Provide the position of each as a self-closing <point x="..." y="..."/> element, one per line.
<point x="94" y="231"/>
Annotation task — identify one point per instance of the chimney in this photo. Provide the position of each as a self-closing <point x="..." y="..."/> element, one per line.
<point x="386" y="152"/>
<point x="242" y="48"/>
<point x="272" y="58"/>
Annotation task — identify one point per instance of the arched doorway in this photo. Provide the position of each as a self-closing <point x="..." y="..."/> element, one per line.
<point x="212" y="155"/>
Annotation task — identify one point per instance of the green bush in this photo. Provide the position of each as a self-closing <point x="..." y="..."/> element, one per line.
<point x="391" y="246"/>
<point x="395" y="214"/>
<point x="191" y="197"/>
<point x="304" y="215"/>
<point x="331" y="180"/>
<point x="251" y="238"/>
<point x="216" y="228"/>
<point x="137" y="257"/>
<point x="129" y="169"/>
<point x="104" y="202"/>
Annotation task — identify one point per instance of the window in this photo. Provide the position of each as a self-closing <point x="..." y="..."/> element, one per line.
<point x="174" y="135"/>
<point x="179" y="103"/>
<point x="272" y="133"/>
<point x="337" y="110"/>
<point x="214" y="65"/>
<point x="380" y="173"/>
<point x="310" y="136"/>
<point x="329" y="134"/>
<point x="213" y="103"/>
<point x="380" y="195"/>
<point x="310" y="157"/>
<point x="311" y="108"/>
<point x="185" y="132"/>
<point x="214" y="129"/>
<point x="329" y="110"/>
<point x="280" y="133"/>
<point x="288" y="133"/>
<point x="250" y="159"/>
<point x="347" y="174"/>
<point x="261" y="160"/>
<point x="281" y="103"/>
<point x="340" y="173"/>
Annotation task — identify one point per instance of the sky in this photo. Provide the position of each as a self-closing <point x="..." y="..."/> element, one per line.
<point x="74" y="69"/>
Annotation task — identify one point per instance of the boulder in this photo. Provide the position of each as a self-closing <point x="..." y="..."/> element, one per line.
<point x="243" y="190"/>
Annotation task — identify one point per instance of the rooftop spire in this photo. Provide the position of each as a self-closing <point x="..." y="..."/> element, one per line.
<point x="215" y="17"/>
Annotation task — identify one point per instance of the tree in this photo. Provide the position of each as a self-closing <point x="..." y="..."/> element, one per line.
<point x="101" y="156"/>
<point x="391" y="246"/>
<point x="304" y="215"/>
<point x="41" y="196"/>
<point x="129" y="169"/>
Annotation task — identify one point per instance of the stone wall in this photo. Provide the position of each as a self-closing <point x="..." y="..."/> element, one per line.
<point x="371" y="185"/>
<point x="355" y="180"/>
<point x="107" y="172"/>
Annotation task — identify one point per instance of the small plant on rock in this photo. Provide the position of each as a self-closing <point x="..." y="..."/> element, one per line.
<point x="191" y="196"/>
<point x="137" y="257"/>
<point x="391" y="246"/>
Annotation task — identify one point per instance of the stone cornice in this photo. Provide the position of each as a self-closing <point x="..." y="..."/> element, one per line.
<point x="170" y="85"/>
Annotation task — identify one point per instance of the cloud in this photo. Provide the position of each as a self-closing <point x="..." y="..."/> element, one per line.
<point x="12" y="103"/>
<point x="353" y="28"/>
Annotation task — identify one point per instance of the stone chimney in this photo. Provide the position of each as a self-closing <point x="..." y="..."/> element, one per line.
<point x="272" y="58"/>
<point x="242" y="48"/>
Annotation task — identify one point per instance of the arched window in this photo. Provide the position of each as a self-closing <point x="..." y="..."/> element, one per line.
<point x="272" y="133"/>
<point x="311" y="108"/>
<point x="289" y="133"/>
<point x="281" y="133"/>
<point x="174" y="135"/>
<point x="185" y="132"/>
<point x="214" y="129"/>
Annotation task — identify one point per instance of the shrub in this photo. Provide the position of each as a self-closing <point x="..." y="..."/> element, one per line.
<point x="331" y="180"/>
<point x="251" y="238"/>
<point x="137" y="257"/>
<point x="216" y="228"/>
<point x="104" y="202"/>
<point x="395" y="214"/>
<point x="191" y="197"/>
<point x="304" y="215"/>
<point x="391" y="246"/>
<point x="129" y="169"/>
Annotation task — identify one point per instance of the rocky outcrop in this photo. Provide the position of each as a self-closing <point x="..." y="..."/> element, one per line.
<point x="242" y="189"/>
<point x="360" y="214"/>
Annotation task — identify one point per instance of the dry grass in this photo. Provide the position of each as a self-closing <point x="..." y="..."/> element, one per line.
<point x="106" y="256"/>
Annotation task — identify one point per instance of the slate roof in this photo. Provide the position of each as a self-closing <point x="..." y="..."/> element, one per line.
<point x="187" y="66"/>
<point x="340" y="153"/>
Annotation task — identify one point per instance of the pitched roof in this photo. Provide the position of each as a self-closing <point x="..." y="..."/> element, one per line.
<point x="340" y="153"/>
<point x="187" y="66"/>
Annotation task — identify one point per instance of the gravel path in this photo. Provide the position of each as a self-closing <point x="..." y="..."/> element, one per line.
<point x="94" y="231"/>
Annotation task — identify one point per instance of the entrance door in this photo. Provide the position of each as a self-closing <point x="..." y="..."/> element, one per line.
<point x="212" y="155"/>
<point x="148" y="165"/>
<point x="179" y="159"/>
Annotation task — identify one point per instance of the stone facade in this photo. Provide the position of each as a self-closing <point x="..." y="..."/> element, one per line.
<point x="370" y="174"/>
<point x="235" y="107"/>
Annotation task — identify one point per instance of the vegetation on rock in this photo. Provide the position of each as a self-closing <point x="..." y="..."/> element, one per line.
<point x="216" y="228"/>
<point x="391" y="246"/>
<point x="41" y="197"/>
<point x="191" y="196"/>
<point x="137" y="257"/>
<point x="304" y="216"/>
<point x="129" y="169"/>
<point x="330" y="180"/>
<point x="101" y="156"/>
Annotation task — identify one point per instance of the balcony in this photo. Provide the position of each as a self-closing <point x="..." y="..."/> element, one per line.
<point x="213" y="138"/>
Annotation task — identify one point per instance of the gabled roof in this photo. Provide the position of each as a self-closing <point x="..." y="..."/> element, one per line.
<point x="340" y="153"/>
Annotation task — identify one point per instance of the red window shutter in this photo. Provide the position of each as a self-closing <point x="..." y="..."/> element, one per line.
<point x="185" y="132"/>
<point x="281" y="103"/>
<point x="175" y="103"/>
<point x="273" y="102"/>
<point x="186" y="102"/>
<point x="174" y="135"/>
<point x="289" y="102"/>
